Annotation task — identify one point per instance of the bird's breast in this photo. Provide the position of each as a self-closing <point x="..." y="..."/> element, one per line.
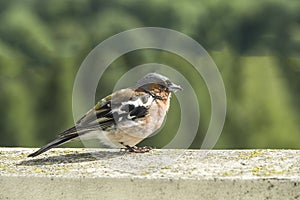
<point x="131" y="132"/>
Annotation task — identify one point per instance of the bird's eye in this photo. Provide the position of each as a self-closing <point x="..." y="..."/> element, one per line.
<point x="168" y="83"/>
<point x="163" y="86"/>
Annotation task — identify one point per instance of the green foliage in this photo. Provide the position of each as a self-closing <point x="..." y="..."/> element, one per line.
<point x="255" y="44"/>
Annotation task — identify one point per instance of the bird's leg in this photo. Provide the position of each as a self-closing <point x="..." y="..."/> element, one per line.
<point x="136" y="149"/>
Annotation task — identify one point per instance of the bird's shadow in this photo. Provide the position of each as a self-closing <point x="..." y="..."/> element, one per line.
<point x="72" y="158"/>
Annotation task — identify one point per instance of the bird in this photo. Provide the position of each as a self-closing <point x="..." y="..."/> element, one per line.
<point x="124" y="118"/>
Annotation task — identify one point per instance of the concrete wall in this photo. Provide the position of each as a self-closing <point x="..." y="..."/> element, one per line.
<point x="161" y="174"/>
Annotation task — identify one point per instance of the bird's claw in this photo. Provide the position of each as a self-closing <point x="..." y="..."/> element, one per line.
<point x="136" y="149"/>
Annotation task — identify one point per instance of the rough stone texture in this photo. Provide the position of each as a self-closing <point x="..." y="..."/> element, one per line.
<point x="160" y="174"/>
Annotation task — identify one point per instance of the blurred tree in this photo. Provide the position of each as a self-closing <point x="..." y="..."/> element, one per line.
<point x="255" y="44"/>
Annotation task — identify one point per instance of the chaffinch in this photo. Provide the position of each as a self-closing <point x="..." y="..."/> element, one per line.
<point x="124" y="118"/>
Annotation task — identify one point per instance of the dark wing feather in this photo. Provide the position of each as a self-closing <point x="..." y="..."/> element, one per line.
<point x="138" y="112"/>
<point x="54" y="143"/>
<point x="101" y="116"/>
<point x="112" y="109"/>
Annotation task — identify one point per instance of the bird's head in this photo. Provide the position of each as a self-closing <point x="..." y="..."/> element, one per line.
<point x="157" y="84"/>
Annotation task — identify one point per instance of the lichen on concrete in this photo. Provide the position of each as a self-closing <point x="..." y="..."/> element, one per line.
<point x="183" y="164"/>
<point x="164" y="173"/>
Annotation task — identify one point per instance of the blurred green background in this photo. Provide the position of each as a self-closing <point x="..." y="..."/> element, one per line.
<point x="255" y="44"/>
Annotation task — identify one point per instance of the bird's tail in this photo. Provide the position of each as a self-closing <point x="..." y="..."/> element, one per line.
<point x="54" y="143"/>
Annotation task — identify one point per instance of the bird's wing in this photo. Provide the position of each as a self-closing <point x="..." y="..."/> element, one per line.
<point x="122" y="105"/>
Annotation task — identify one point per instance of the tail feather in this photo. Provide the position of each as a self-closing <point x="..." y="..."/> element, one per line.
<point x="54" y="143"/>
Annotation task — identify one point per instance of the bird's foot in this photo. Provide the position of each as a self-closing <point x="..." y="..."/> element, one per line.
<point x="136" y="149"/>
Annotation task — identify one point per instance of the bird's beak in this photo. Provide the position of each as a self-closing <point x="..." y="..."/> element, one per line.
<point x="174" y="88"/>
